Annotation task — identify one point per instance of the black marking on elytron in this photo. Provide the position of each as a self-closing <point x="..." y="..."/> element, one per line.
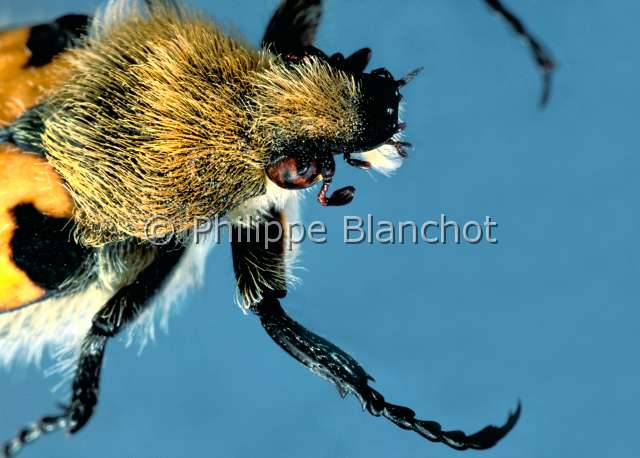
<point x="121" y="310"/>
<point x="45" y="42"/>
<point x="43" y="247"/>
<point x="48" y="40"/>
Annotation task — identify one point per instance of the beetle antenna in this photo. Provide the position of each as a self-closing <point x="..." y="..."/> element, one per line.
<point x="542" y="56"/>
<point x="409" y="77"/>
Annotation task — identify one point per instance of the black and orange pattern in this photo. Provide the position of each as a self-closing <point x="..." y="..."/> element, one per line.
<point x="29" y="71"/>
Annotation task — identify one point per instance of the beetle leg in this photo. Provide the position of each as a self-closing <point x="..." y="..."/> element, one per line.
<point x="259" y="269"/>
<point x="334" y="365"/>
<point x="84" y="398"/>
<point x="122" y="309"/>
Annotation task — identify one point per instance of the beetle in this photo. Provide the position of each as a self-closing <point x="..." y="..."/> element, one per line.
<point x="148" y="112"/>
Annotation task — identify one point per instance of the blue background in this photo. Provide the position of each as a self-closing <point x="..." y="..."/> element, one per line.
<point x="549" y="315"/>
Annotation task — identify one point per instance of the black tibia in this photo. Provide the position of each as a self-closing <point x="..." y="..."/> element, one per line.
<point x="130" y="301"/>
<point x="48" y="40"/>
<point x="258" y="253"/>
<point x="541" y="55"/>
<point x="324" y="358"/>
<point x="331" y="363"/>
<point x="120" y="311"/>
<point x="293" y="26"/>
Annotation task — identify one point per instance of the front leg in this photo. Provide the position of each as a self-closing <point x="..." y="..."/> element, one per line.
<point x="324" y="358"/>
<point x="122" y="309"/>
<point x="84" y="398"/>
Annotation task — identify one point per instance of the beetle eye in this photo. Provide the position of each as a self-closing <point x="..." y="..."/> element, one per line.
<point x="294" y="173"/>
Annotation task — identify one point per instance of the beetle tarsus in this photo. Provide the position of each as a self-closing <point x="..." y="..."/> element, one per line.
<point x="32" y="432"/>
<point x="83" y="402"/>
<point x="333" y="364"/>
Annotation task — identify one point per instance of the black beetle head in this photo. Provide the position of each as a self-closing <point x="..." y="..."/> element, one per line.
<point x="302" y="164"/>
<point x="378" y="108"/>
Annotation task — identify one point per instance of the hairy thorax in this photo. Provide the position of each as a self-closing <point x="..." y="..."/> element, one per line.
<point x="153" y="123"/>
<point x="167" y="117"/>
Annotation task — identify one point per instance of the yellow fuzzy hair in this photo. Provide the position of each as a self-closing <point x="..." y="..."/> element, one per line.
<point x="166" y="116"/>
<point x="314" y="101"/>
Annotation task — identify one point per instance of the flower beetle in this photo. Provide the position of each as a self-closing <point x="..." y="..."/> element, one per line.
<point x="150" y="112"/>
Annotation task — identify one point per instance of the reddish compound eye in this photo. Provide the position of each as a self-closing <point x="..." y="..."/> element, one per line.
<point x="300" y="172"/>
<point x="294" y="173"/>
